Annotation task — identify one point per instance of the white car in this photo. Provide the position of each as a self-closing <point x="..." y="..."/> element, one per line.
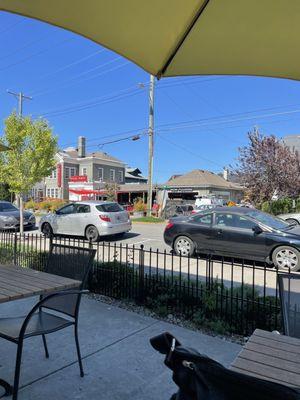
<point x="292" y="218"/>
<point x="91" y="219"/>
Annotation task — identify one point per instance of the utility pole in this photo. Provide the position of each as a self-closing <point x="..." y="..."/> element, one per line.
<point x="150" y="155"/>
<point x="20" y="97"/>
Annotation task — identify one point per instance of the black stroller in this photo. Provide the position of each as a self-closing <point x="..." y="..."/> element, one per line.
<point x="201" y="378"/>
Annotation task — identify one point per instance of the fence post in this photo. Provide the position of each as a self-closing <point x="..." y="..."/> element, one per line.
<point x="141" y="275"/>
<point x="15" y="248"/>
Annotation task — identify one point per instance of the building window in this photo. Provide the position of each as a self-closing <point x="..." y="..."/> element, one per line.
<point x="67" y="170"/>
<point x="56" y="193"/>
<point x="112" y="175"/>
<point x="52" y="192"/>
<point x="48" y="192"/>
<point x="53" y="174"/>
<point x="100" y="174"/>
<point x="120" y="176"/>
<point x="72" y="171"/>
<point x="84" y="171"/>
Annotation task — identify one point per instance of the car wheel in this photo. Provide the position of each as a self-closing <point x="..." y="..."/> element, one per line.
<point x="47" y="230"/>
<point x="91" y="233"/>
<point x="184" y="246"/>
<point x="286" y="258"/>
<point x="292" y="221"/>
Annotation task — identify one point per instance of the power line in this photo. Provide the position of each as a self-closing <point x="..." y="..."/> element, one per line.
<point x="105" y="100"/>
<point x="91" y="101"/>
<point x="188" y="151"/>
<point x="76" y="62"/>
<point x="75" y="78"/>
<point x="35" y="54"/>
<point x="10" y="27"/>
<point x="21" y="48"/>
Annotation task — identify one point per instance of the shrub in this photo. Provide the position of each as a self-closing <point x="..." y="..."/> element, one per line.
<point x="139" y="205"/>
<point x="266" y="207"/>
<point x="51" y="204"/>
<point x="280" y="206"/>
<point x="31" y="204"/>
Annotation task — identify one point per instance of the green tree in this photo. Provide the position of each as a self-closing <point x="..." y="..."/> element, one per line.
<point x="4" y="192"/>
<point x="111" y="191"/>
<point x="31" y="157"/>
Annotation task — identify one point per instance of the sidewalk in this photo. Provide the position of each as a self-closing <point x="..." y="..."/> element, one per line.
<point x="118" y="360"/>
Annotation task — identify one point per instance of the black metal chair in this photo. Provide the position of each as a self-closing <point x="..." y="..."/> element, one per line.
<point x="289" y="289"/>
<point x="70" y="262"/>
<point x="53" y="312"/>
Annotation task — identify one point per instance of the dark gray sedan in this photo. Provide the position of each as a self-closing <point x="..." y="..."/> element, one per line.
<point x="237" y="232"/>
<point x="10" y="217"/>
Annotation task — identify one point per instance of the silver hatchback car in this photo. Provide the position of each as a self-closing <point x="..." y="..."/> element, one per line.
<point x="10" y="217"/>
<point x="91" y="219"/>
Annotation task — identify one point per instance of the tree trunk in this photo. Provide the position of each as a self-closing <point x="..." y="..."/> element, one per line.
<point x="21" y="215"/>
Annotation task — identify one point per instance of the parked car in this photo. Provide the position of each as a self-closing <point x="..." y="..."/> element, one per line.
<point x="204" y="207"/>
<point x="237" y="232"/>
<point x="10" y="217"/>
<point x="183" y="209"/>
<point x="91" y="219"/>
<point x="292" y="218"/>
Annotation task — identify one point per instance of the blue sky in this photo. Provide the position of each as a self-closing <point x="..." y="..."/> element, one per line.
<point x="84" y="89"/>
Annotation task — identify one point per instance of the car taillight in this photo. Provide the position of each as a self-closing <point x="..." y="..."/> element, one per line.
<point x="105" y="218"/>
<point x="194" y="212"/>
<point x="169" y="225"/>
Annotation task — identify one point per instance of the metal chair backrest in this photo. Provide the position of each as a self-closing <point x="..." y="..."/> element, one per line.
<point x="70" y="262"/>
<point x="289" y="288"/>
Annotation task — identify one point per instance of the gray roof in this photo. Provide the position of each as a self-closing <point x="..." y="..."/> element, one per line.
<point x="201" y="178"/>
<point x="73" y="153"/>
<point x="129" y="173"/>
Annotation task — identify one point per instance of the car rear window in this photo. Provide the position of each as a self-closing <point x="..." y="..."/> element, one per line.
<point x="109" y="207"/>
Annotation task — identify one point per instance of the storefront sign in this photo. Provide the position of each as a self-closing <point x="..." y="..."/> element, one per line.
<point x="58" y="174"/>
<point x="78" y="178"/>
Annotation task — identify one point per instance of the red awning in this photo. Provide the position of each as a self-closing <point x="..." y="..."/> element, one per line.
<point x="87" y="191"/>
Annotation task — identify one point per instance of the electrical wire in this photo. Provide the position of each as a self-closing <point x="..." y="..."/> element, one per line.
<point x="16" y="51"/>
<point x="65" y="83"/>
<point x="10" y="27"/>
<point x="188" y="150"/>
<point x="105" y="100"/>
<point x="91" y="101"/>
<point x="36" y="54"/>
<point x="76" y="62"/>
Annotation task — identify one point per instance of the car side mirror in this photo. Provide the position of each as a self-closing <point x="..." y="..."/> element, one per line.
<point x="257" y="229"/>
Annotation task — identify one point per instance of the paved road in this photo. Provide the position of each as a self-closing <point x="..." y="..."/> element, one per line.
<point x="151" y="236"/>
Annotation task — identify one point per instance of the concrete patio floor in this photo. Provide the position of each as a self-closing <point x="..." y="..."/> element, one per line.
<point x="118" y="360"/>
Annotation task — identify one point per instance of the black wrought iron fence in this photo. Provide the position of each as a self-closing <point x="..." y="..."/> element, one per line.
<point x="221" y="294"/>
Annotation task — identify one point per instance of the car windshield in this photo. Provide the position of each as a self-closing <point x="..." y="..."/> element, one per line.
<point x="6" y="207"/>
<point x="268" y="220"/>
<point x="109" y="207"/>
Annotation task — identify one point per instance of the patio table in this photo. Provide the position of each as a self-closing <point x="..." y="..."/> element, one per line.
<point x="18" y="283"/>
<point x="270" y="356"/>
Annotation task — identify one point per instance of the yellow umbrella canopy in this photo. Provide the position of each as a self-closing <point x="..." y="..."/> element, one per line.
<point x="184" y="37"/>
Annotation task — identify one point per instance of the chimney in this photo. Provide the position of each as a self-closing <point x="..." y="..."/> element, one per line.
<point x="81" y="146"/>
<point x="225" y="174"/>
